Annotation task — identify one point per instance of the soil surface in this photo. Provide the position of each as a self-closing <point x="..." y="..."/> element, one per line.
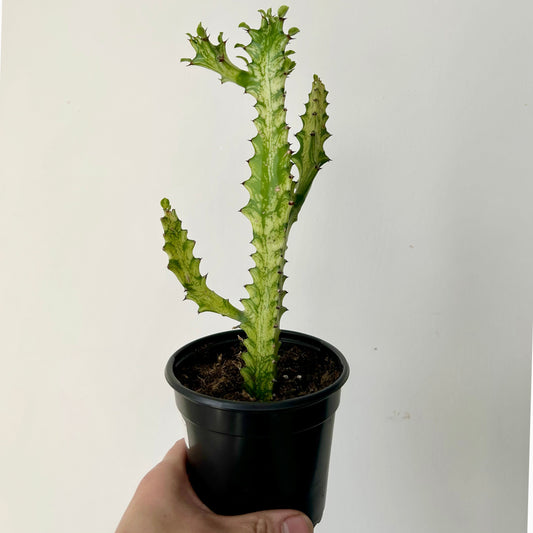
<point x="300" y="371"/>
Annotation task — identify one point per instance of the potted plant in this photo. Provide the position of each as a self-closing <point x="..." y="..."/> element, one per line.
<point x="259" y="401"/>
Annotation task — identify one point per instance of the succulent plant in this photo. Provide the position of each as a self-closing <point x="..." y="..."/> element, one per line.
<point x="276" y="196"/>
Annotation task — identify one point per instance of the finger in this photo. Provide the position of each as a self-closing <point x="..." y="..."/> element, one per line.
<point x="278" y="521"/>
<point x="168" y="482"/>
<point x="176" y="456"/>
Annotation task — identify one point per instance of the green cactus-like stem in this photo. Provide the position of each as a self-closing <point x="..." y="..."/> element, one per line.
<point x="271" y="199"/>
<point x="311" y="156"/>
<point x="186" y="267"/>
<point x="275" y="198"/>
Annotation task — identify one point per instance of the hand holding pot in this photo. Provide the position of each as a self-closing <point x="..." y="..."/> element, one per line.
<point x="166" y="503"/>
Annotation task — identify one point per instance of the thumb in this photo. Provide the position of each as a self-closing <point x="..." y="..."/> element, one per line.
<point x="280" y="521"/>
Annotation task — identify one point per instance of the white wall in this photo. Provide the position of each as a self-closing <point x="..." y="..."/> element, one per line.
<point x="413" y="255"/>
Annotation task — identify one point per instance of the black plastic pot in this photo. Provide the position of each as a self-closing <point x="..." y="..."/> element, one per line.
<point x="250" y="456"/>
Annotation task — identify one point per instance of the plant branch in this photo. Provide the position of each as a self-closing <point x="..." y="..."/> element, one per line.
<point x="311" y="156"/>
<point x="214" y="57"/>
<point x="186" y="267"/>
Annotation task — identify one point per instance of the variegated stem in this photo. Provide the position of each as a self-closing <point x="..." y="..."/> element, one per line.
<point x="186" y="267"/>
<point x="311" y="156"/>
<point x="271" y="199"/>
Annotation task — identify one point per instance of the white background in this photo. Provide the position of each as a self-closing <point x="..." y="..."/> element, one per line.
<point x="413" y="255"/>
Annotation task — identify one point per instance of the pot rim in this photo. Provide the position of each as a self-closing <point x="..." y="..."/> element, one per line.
<point x="257" y="406"/>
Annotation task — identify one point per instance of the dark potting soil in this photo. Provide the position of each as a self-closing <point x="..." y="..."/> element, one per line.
<point x="217" y="374"/>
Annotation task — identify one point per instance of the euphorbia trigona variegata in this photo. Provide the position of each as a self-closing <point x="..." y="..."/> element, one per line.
<point x="276" y="196"/>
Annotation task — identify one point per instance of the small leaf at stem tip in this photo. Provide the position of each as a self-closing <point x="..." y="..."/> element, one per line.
<point x="282" y="11"/>
<point x="201" y="31"/>
<point x="165" y="204"/>
<point x="244" y="25"/>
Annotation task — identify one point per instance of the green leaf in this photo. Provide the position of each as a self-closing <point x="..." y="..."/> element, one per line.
<point x="282" y="11"/>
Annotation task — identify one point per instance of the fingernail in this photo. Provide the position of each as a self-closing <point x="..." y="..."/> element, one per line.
<point x="297" y="524"/>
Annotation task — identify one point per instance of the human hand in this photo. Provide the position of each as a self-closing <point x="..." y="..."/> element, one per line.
<point x="165" y="502"/>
